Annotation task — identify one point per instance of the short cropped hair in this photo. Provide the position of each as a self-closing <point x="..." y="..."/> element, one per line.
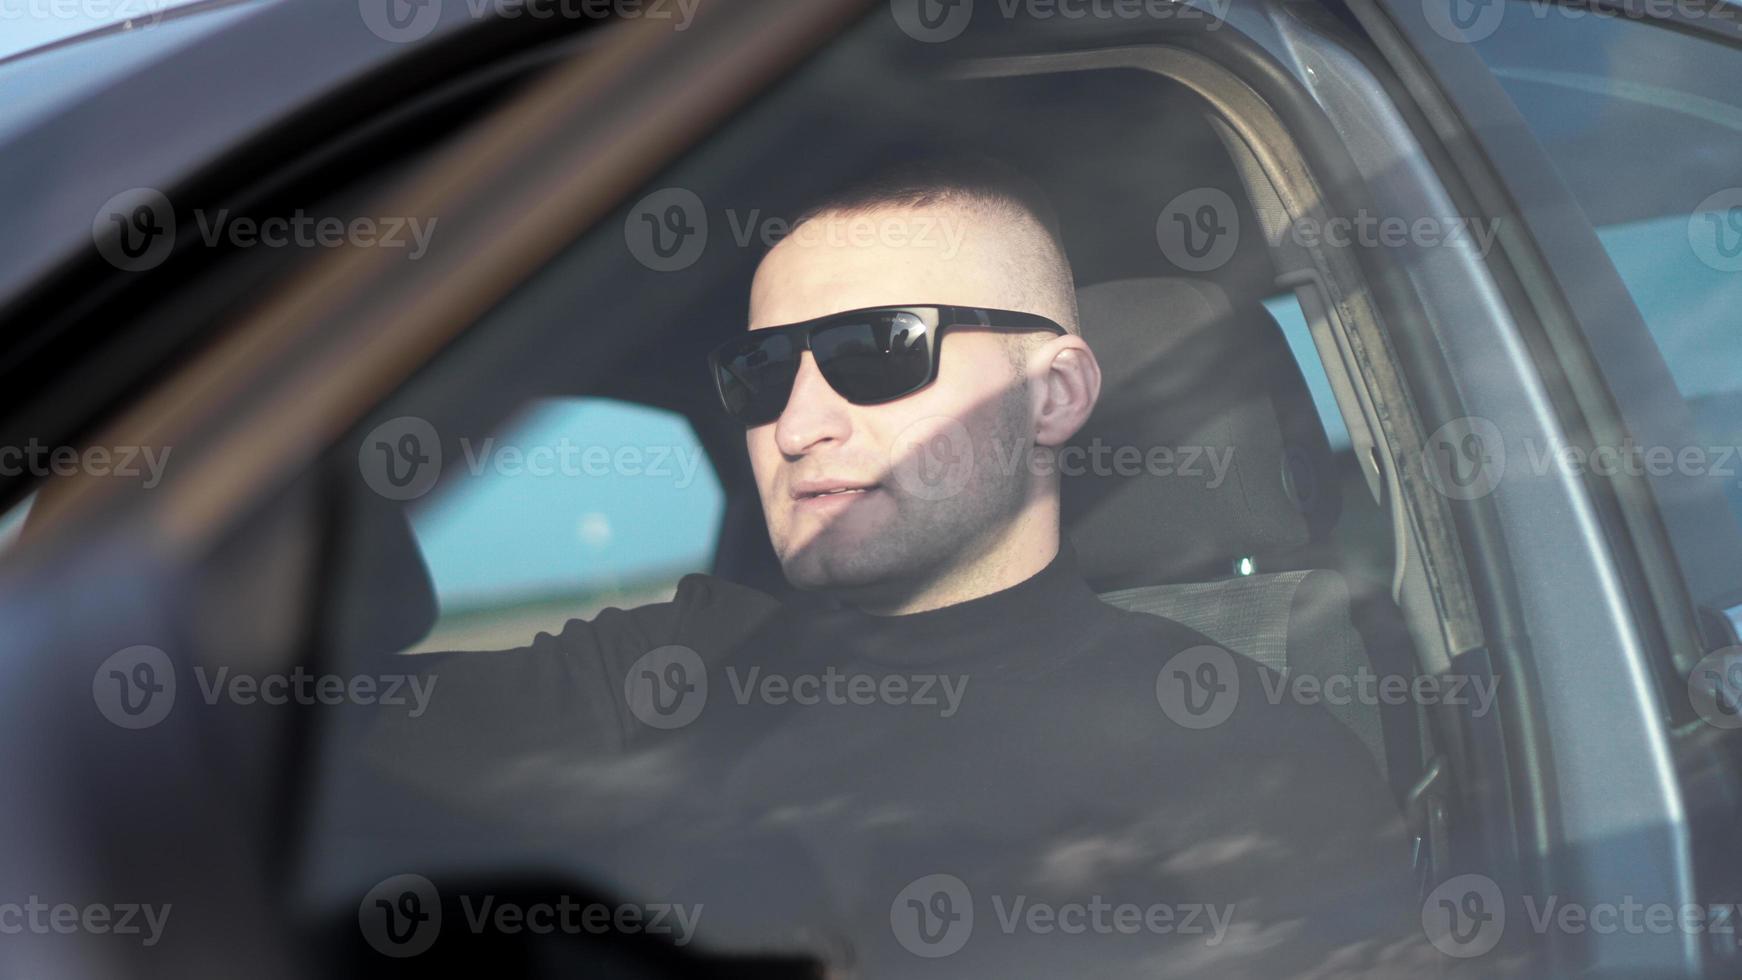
<point x="972" y="182"/>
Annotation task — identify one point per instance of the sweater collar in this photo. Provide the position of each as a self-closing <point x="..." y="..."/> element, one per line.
<point x="1052" y="608"/>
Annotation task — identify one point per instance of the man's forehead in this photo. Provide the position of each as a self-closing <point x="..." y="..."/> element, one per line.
<point x="884" y="257"/>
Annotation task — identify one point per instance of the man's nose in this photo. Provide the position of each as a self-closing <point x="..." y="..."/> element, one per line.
<point x="815" y="413"/>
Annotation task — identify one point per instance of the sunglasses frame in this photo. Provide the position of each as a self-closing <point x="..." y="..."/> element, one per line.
<point x="938" y="319"/>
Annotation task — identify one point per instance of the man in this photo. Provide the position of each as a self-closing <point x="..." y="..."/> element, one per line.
<point x="958" y="762"/>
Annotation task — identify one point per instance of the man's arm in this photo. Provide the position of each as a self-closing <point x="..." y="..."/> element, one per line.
<point x="497" y="722"/>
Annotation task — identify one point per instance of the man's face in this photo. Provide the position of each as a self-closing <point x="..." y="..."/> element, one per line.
<point x="936" y="476"/>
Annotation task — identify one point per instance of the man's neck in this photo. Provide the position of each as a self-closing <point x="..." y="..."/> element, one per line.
<point x="982" y="575"/>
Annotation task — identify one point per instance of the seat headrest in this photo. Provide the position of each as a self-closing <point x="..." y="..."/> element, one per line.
<point x="386" y="600"/>
<point x="1205" y="446"/>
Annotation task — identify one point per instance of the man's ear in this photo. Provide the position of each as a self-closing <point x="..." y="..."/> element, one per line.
<point x="1067" y="383"/>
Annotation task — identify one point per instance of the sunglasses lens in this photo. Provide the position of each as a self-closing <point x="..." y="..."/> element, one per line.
<point x="879" y="358"/>
<point x="755" y="376"/>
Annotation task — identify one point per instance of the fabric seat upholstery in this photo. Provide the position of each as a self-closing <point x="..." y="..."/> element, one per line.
<point x="1185" y="368"/>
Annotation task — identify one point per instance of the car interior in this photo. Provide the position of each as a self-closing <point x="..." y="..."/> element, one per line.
<point x="1289" y="560"/>
<point x="1293" y="560"/>
<point x="1323" y="550"/>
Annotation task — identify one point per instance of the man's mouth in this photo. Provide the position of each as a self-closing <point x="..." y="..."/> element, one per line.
<point x="822" y="489"/>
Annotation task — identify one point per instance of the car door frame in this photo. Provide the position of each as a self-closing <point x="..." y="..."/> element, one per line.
<point x="1606" y="379"/>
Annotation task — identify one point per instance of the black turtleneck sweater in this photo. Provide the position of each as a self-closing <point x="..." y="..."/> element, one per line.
<point x="988" y="788"/>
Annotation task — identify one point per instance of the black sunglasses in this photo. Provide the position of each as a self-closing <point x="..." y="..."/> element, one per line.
<point x="868" y="356"/>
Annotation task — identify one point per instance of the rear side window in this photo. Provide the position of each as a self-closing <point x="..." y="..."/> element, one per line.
<point x="1292" y="319"/>
<point x="1644" y="124"/>
<point x="576" y="505"/>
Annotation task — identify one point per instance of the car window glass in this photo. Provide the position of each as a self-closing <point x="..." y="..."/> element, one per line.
<point x="1644" y="125"/>
<point x="40" y="82"/>
<point x="576" y="505"/>
<point x="1289" y="315"/>
<point x="794" y="766"/>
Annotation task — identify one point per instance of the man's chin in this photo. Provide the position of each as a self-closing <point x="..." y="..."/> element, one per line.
<point x="815" y="571"/>
<point x="841" y="563"/>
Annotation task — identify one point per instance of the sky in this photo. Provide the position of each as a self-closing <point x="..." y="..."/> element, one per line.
<point x="25" y="24"/>
<point x="574" y="495"/>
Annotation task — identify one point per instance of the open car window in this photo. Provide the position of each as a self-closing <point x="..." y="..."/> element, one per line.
<point x="577" y="505"/>
<point x="1607" y="97"/>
